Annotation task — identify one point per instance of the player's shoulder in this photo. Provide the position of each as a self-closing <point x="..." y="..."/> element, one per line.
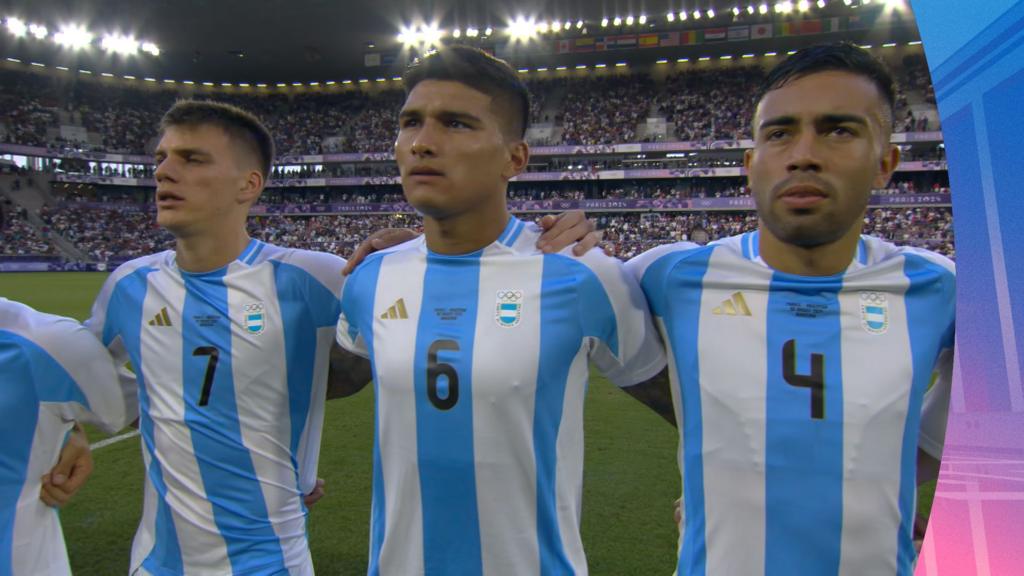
<point x="149" y="261"/>
<point x="306" y="259"/>
<point x="881" y="251"/>
<point x="414" y="248"/>
<point x="48" y="331"/>
<point x="665" y="257"/>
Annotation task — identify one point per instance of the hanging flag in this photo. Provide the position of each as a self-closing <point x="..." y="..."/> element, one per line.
<point x="715" y="34"/>
<point x="668" y="39"/>
<point x="761" y="31"/>
<point x="688" y="37"/>
<point x="739" y="33"/>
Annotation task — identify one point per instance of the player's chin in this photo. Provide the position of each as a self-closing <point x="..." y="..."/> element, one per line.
<point x="429" y="202"/>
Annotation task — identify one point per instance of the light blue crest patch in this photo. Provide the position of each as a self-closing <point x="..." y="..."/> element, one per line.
<point x="509" y="308"/>
<point x="874" y="312"/>
<point x="254" y="318"/>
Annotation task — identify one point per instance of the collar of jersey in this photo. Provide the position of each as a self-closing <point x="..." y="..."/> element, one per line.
<point x="506" y="239"/>
<point x="247" y="257"/>
<point x="750" y="247"/>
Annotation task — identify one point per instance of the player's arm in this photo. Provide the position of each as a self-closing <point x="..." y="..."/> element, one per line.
<point x="560" y="232"/>
<point x="628" y="349"/>
<point x="349" y="373"/>
<point x="656" y="394"/>
<point x="934" y="414"/>
<point x="73" y="468"/>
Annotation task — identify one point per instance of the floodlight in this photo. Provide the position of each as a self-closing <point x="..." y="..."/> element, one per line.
<point x="73" y="36"/>
<point x="15" y="26"/>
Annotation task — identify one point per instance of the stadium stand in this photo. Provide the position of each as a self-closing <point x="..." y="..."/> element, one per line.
<point x="92" y="200"/>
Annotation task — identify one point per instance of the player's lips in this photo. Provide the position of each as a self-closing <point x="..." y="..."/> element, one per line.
<point x="165" y="198"/>
<point x="802" y="195"/>
<point x="424" y="173"/>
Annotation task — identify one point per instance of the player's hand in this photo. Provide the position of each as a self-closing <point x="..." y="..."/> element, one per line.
<point x="677" y="512"/>
<point x="379" y="240"/>
<point x="562" y="230"/>
<point x="315" y="495"/>
<point x="71" y="471"/>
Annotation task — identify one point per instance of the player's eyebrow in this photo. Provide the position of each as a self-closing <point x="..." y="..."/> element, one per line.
<point x="183" y="152"/>
<point x="826" y="119"/>
<point x="442" y="115"/>
<point x="833" y="119"/>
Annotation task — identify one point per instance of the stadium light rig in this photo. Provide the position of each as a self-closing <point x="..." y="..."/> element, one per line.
<point x="522" y="29"/>
<point x="671" y="16"/>
<point x="15" y="26"/>
<point x="73" y="36"/>
<point x="120" y="44"/>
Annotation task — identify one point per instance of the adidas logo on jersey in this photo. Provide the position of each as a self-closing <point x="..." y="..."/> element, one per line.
<point x="735" y="306"/>
<point x="396" y="311"/>
<point x="161" y="319"/>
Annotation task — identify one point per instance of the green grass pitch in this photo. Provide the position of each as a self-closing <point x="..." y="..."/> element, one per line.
<point x="630" y="478"/>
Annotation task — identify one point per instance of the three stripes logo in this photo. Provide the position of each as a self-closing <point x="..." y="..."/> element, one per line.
<point x="396" y="311"/>
<point x="161" y="319"/>
<point x="734" y="306"/>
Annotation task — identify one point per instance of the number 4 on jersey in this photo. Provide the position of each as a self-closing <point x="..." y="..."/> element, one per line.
<point x="815" y="380"/>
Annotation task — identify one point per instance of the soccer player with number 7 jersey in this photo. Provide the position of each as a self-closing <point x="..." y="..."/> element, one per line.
<point x="480" y="344"/>
<point x="230" y="341"/>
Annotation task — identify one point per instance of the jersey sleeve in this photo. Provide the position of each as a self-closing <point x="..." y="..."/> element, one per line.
<point x="324" y="282"/>
<point x="935" y="409"/>
<point x="627" y="348"/>
<point x="649" y="268"/>
<point x="96" y="393"/>
<point x="356" y="296"/>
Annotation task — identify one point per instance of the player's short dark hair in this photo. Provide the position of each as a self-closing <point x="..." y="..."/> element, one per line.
<point x="482" y="72"/>
<point x="841" y="57"/>
<point x="241" y="126"/>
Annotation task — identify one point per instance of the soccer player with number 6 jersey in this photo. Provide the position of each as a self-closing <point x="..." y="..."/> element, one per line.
<point x="480" y="344"/>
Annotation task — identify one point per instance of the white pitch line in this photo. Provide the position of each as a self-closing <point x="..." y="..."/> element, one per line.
<point x="114" y="439"/>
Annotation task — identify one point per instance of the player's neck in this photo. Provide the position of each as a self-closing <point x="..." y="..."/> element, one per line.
<point x="207" y="252"/>
<point x="466" y="232"/>
<point x="824" y="260"/>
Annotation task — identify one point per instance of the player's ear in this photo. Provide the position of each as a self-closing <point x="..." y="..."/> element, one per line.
<point x="518" y="158"/>
<point x="252" y="186"/>
<point x="887" y="165"/>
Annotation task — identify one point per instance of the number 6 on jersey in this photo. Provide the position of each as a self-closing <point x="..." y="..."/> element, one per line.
<point x="437" y="369"/>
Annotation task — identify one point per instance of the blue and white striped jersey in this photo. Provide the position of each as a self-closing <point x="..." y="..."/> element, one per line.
<point x="480" y="367"/>
<point x="52" y="372"/>
<point x="800" y="403"/>
<point x="232" y="374"/>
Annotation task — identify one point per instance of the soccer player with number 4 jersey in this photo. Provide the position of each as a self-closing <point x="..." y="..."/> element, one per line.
<point x="480" y="344"/>
<point x="801" y="354"/>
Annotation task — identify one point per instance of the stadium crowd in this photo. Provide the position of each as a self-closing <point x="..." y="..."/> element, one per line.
<point x="97" y="229"/>
<point x="18" y="238"/>
<point x="698" y="104"/>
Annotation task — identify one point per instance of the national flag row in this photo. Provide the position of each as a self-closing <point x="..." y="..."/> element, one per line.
<point x="722" y="34"/>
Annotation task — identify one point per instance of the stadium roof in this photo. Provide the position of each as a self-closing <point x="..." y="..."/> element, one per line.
<point x="322" y="40"/>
